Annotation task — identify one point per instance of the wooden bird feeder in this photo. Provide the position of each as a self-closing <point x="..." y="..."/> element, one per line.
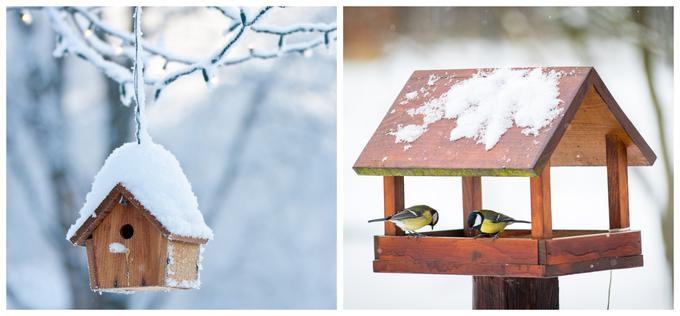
<point x="520" y="269"/>
<point x="128" y="249"/>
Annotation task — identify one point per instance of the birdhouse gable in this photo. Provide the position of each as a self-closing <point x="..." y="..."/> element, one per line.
<point x="150" y="178"/>
<point x="119" y="195"/>
<point x="499" y="122"/>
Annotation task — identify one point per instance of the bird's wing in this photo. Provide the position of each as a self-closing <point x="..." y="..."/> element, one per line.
<point x="502" y="218"/>
<point x="406" y="214"/>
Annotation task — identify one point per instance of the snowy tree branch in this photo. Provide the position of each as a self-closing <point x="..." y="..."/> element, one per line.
<point x="68" y="41"/>
<point x="79" y="40"/>
<point x="127" y="38"/>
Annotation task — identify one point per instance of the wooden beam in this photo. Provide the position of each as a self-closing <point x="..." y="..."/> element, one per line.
<point x="617" y="180"/>
<point x="515" y="293"/>
<point x="593" y="247"/>
<point x="394" y="202"/>
<point x="472" y="198"/>
<point x="516" y="254"/>
<point x="460" y="251"/>
<point x="541" y="214"/>
<point x="506" y="270"/>
<point x="601" y="264"/>
<point x="475" y="270"/>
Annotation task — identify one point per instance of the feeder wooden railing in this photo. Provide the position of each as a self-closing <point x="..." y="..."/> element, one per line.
<point x="472" y="198"/>
<point x="541" y="214"/>
<point x="394" y="202"/>
<point x="617" y="180"/>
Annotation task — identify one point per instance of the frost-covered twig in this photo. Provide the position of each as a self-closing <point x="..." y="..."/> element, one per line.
<point x="68" y="41"/>
<point x="301" y="48"/>
<point x="127" y="38"/>
<point x="302" y="28"/>
<point x="82" y="41"/>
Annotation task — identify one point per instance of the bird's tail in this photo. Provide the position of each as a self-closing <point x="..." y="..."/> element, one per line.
<point x="519" y="221"/>
<point x="379" y="219"/>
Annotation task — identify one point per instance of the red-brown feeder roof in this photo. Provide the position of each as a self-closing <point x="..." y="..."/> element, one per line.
<point x="576" y="137"/>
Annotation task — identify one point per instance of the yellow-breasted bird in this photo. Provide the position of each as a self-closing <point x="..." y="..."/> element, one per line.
<point x="412" y="218"/>
<point x="489" y="222"/>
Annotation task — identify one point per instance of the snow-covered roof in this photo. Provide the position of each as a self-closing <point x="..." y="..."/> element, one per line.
<point x="487" y="104"/>
<point x="153" y="175"/>
<point x="499" y="122"/>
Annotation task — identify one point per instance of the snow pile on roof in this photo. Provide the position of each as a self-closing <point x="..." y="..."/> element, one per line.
<point x="486" y="106"/>
<point x="153" y="175"/>
<point x="411" y="95"/>
<point x="409" y="133"/>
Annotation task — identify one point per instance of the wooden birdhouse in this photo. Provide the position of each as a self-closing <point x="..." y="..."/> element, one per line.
<point x="145" y="234"/>
<point x="584" y="127"/>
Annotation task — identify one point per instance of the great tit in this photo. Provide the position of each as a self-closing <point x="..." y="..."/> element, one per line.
<point x="412" y="218"/>
<point x="489" y="222"/>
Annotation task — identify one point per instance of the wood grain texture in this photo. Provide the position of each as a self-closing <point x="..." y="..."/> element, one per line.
<point x="542" y="252"/>
<point x="184" y="262"/>
<point x="606" y="263"/>
<point x="518" y="233"/>
<point x="472" y="199"/>
<point x="91" y="264"/>
<point x="592" y="247"/>
<point x="617" y="181"/>
<point x="631" y="131"/>
<point x="458" y="250"/>
<point x="394" y="202"/>
<point x="516" y="254"/>
<point x="589" y="112"/>
<point x="142" y="265"/>
<point x="515" y="293"/>
<point x="583" y="143"/>
<point x="541" y="213"/>
<point x="506" y="270"/>
<point x="440" y="267"/>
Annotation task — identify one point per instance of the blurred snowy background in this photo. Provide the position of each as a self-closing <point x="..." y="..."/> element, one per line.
<point x="258" y="148"/>
<point x="632" y="50"/>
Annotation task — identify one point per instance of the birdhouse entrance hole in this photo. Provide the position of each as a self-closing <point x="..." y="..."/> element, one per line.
<point x="127" y="231"/>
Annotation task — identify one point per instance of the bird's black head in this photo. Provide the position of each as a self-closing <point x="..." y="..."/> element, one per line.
<point x="474" y="220"/>
<point x="435" y="218"/>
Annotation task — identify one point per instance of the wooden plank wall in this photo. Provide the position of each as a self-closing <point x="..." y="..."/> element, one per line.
<point x="144" y="265"/>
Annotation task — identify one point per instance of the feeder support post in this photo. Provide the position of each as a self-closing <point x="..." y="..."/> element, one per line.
<point x="617" y="180"/>
<point x="394" y="202"/>
<point x="515" y="293"/>
<point x="541" y="214"/>
<point x="498" y="292"/>
<point x="472" y="199"/>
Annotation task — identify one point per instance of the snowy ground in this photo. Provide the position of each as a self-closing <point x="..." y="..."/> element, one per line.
<point x="371" y="87"/>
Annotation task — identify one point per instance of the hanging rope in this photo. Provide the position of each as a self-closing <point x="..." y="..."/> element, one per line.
<point x="138" y="75"/>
